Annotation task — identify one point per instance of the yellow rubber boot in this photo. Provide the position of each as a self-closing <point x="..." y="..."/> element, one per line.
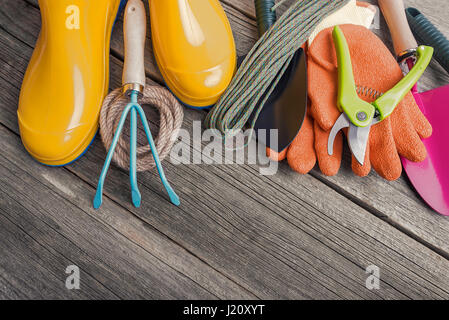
<point x="194" y="49"/>
<point x="67" y="79"/>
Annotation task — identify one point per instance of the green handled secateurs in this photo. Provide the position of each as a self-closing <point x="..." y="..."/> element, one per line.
<point x="359" y="115"/>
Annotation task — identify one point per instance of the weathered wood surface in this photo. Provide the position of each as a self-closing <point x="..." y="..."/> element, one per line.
<point x="236" y="235"/>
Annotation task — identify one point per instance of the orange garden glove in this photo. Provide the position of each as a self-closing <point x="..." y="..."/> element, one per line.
<point x="376" y="69"/>
<point x="310" y="144"/>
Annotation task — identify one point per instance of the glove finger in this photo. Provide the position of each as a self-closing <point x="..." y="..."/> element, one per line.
<point x="419" y="120"/>
<point x="322" y="79"/>
<point x="276" y="156"/>
<point x="301" y="155"/>
<point x="384" y="155"/>
<point x="407" y="140"/>
<point x="329" y="165"/>
<point x="361" y="170"/>
<point x="326" y="112"/>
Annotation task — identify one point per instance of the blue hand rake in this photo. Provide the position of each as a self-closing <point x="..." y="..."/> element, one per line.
<point x="134" y="83"/>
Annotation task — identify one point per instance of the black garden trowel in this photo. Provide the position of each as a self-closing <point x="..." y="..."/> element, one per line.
<point x="286" y="107"/>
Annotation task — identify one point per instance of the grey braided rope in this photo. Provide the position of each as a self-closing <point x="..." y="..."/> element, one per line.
<point x="171" y="117"/>
<point x="265" y="64"/>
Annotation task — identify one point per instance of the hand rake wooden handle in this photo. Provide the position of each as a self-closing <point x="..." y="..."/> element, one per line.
<point x="135" y="27"/>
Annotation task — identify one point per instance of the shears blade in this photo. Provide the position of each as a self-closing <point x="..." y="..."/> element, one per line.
<point x="358" y="141"/>
<point x="341" y="123"/>
<point x="357" y="137"/>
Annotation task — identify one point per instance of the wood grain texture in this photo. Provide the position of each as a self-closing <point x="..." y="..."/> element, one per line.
<point x="236" y="235"/>
<point x="52" y="214"/>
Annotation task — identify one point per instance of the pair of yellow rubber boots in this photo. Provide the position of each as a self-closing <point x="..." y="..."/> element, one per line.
<point x="68" y="75"/>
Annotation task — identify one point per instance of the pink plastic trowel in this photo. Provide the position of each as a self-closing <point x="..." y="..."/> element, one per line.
<point x="430" y="177"/>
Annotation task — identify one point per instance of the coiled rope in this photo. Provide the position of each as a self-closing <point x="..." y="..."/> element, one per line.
<point x="171" y="117"/>
<point x="265" y="64"/>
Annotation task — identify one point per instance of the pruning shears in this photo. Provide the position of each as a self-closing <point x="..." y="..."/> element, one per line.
<point x="358" y="115"/>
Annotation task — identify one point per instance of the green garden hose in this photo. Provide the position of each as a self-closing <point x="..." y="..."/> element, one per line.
<point x="426" y="33"/>
<point x="267" y="61"/>
<point x="265" y="15"/>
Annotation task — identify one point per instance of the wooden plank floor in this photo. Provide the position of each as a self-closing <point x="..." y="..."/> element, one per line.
<point x="237" y="235"/>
